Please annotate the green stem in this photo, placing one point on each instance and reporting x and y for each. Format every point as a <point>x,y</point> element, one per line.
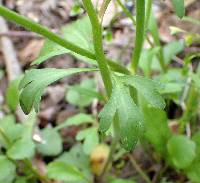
<point>126,11</point>
<point>113,145</point>
<point>155,34</point>
<point>139,170</point>
<point>98,45</point>
<point>105,73</point>
<point>43,31</point>
<point>140,29</point>
<point>148,14</point>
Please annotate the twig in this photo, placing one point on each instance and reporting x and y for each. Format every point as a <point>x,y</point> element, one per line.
<point>23,34</point>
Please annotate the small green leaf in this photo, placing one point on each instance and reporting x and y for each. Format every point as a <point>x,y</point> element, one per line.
<point>77,119</point>
<point>147,88</point>
<point>175,30</point>
<point>181,151</point>
<point>63,172</point>
<point>24,147</point>
<point>172,49</point>
<point>11,129</point>
<point>77,158</point>
<point>147,58</point>
<point>90,137</point>
<point>7,169</point>
<point>12,94</point>
<point>35,81</point>
<point>79,33</point>
<point>179,7</point>
<point>82,95</point>
<point>52,143</point>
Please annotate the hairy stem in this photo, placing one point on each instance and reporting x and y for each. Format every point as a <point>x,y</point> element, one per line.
<point>98,45</point>
<point>140,30</point>
<point>105,72</point>
<point>43,31</point>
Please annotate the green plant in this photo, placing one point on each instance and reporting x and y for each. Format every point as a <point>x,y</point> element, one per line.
<point>132,100</point>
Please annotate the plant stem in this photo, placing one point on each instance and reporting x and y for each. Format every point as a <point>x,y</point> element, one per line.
<point>148,14</point>
<point>45,32</point>
<point>105,72</point>
<point>126,11</point>
<point>155,34</point>
<point>98,45</point>
<point>140,30</point>
<point>113,145</point>
<point>34,171</point>
<point>138,169</point>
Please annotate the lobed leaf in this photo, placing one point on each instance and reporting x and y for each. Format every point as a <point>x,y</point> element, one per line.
<point>129,116</point>
<point>147,88</point>
<point>35,81</point>
<point>130,119</point>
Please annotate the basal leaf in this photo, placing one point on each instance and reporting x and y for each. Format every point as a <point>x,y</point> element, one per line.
<point>147,88</point>
<point>35,81</point>
<point>24,147</point>
<point>82,94</point>
<point>7,169</point>
<point>77,119</point>
<point>52,142</point>
<point>179,7</point>
<point>12,130</point>
<point>77,158</point>
<point>181,151</point>
<point>90,137</point>
<point>63,172</point>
